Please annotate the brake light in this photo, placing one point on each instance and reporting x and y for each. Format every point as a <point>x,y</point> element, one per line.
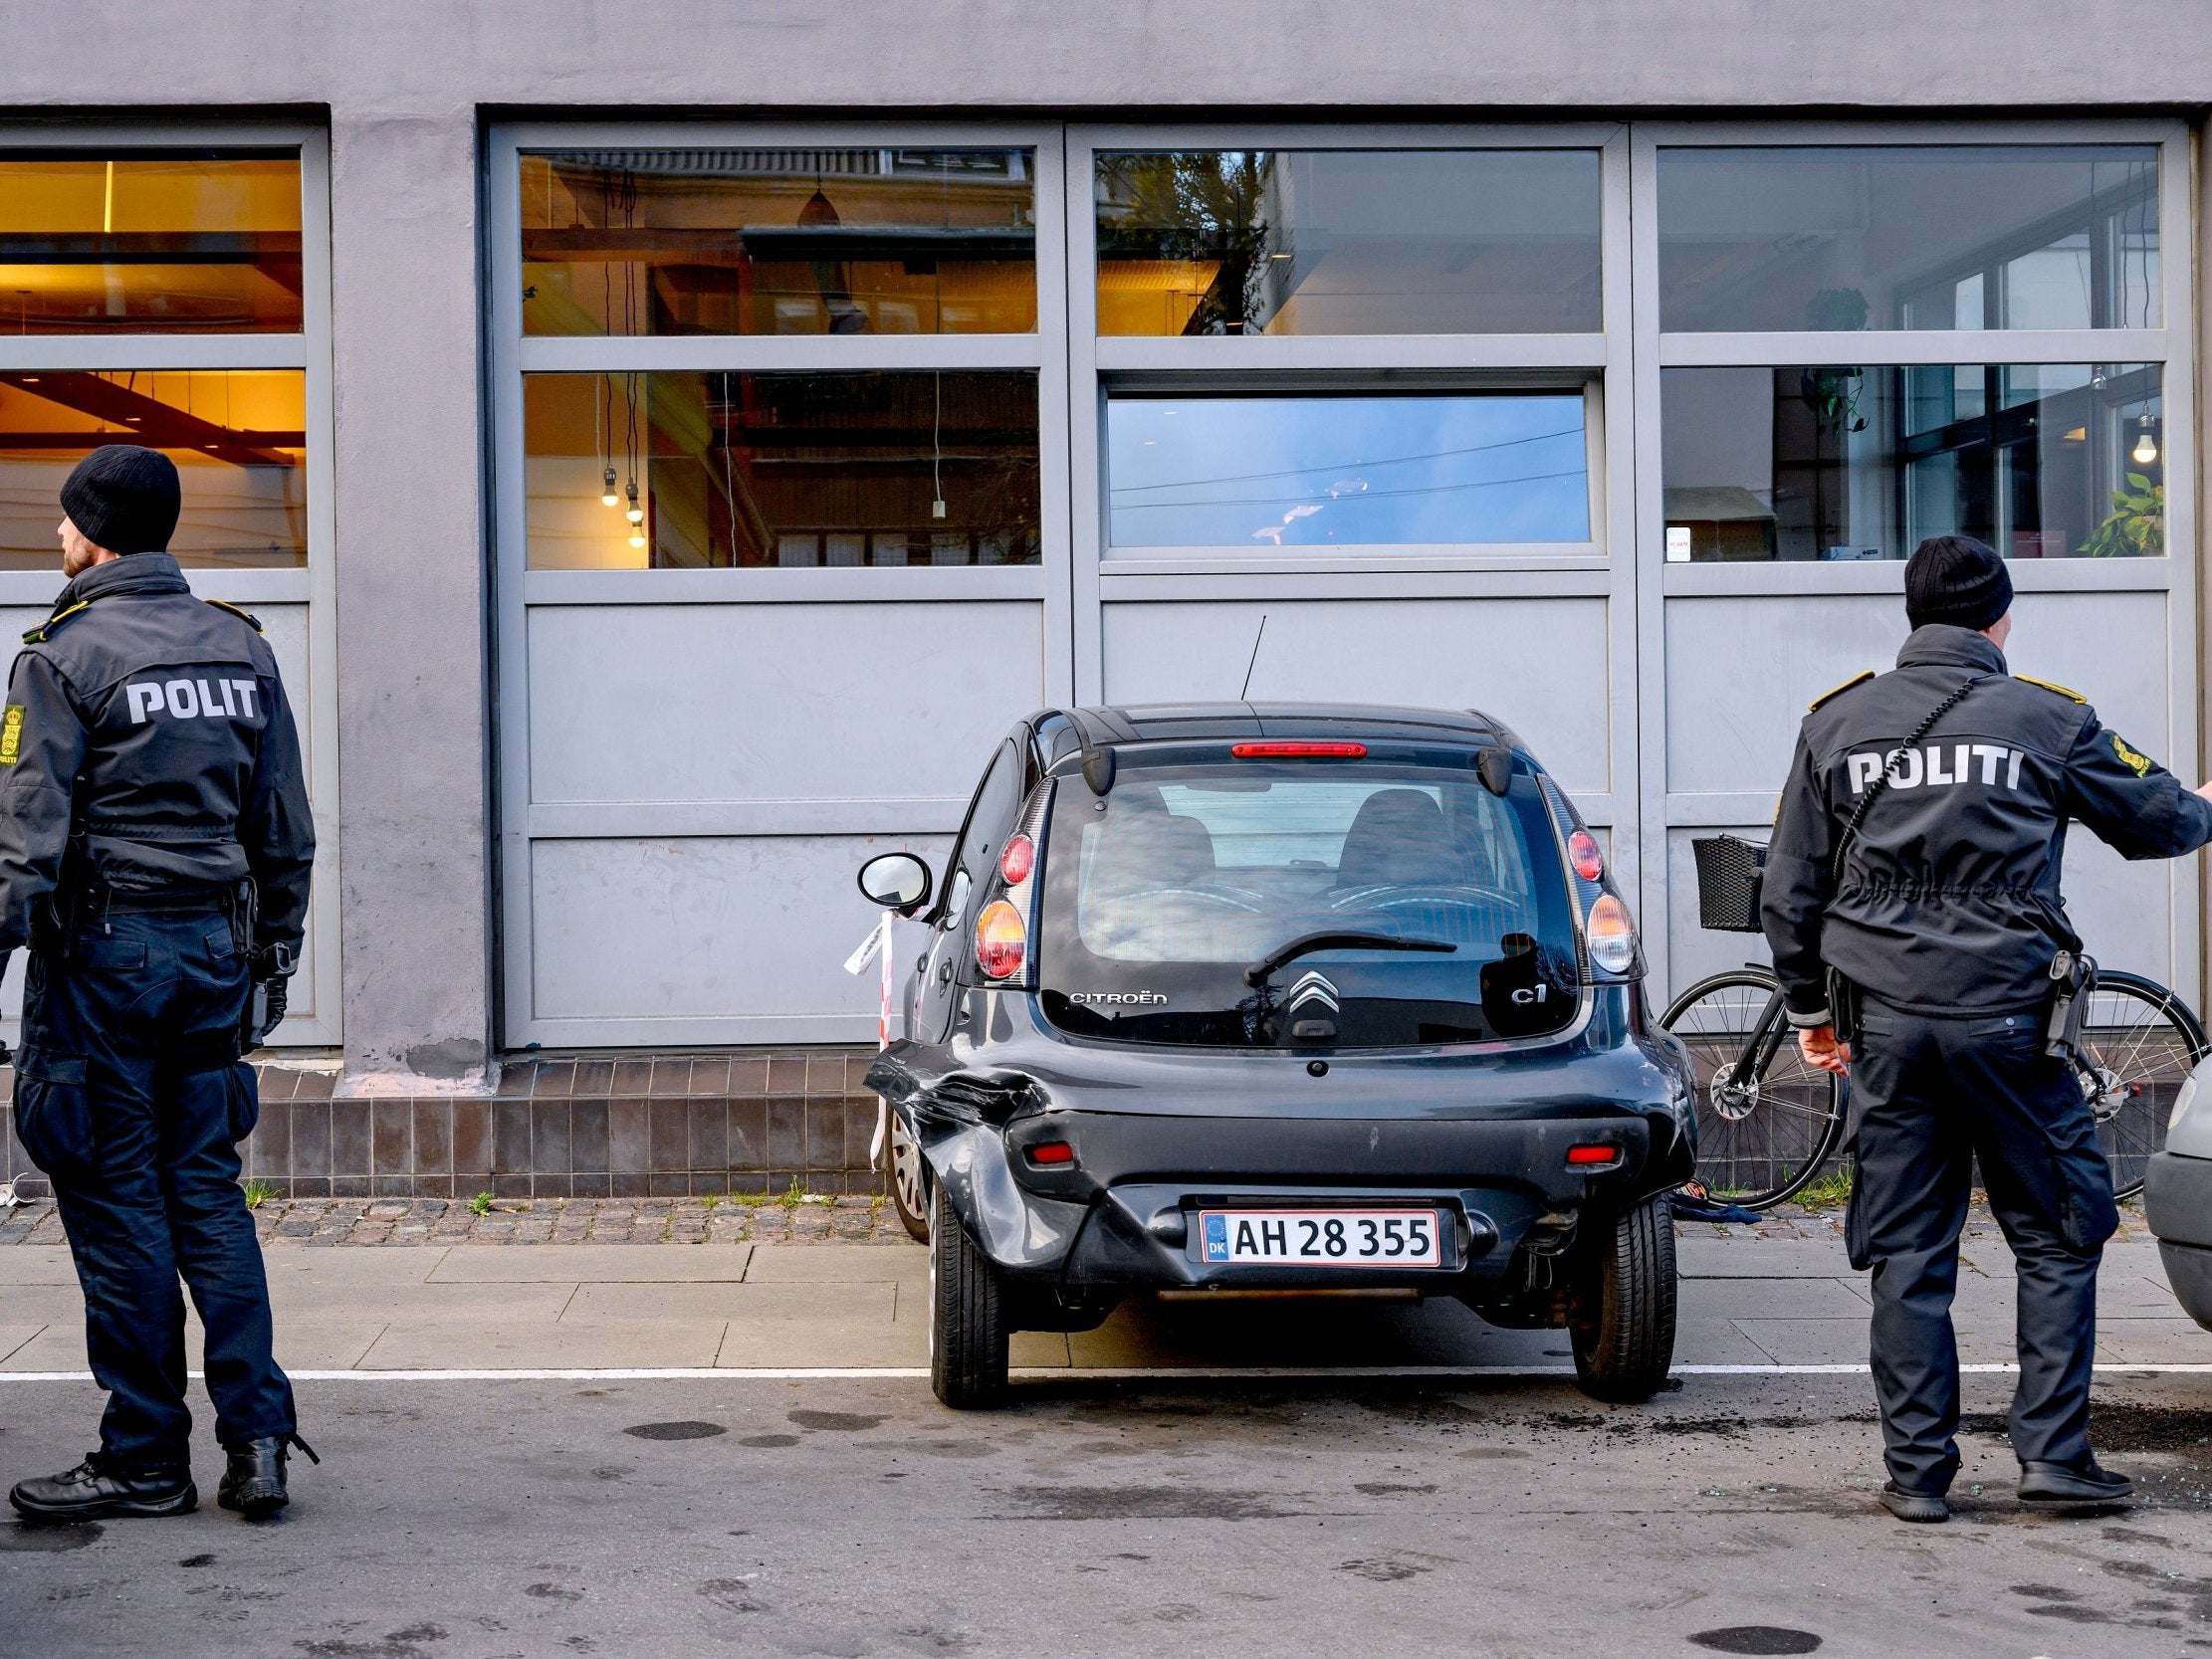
<point>1018,859</point>
<point>1611,934</point>
<point>1299,751</point>
<point>1052,1152</point>
<point>1583,854</point>
<point>1590,1158</point>
<point>1002,939</point>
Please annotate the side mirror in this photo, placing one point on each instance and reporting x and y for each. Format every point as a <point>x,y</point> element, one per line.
<point>897,881</point>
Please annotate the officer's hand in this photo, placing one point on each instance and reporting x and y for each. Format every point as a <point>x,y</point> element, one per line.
<point>280,997</point>
<point>2205,789</point>
<point>1819,1046</point>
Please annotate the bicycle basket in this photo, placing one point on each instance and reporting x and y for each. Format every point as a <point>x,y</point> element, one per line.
<point>1729,873</point>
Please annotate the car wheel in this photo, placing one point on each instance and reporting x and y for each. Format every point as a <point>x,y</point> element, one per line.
<point>968,1315</point>
<point>1623,1325</point>
<point>909,1193</point>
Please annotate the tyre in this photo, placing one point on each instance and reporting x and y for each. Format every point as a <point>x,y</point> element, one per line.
<point>968,1315</point>
<point>2139,1042</point>
<point>1622,1327</point>
<point>910,1197</point>
<point>1760,1139</point>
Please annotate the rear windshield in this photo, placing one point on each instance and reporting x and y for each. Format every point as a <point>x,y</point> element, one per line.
<point>1164,900</point>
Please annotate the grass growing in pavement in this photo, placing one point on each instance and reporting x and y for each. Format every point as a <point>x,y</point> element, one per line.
<point>259,1192</point>
<point>481,1204</point>
<point>1824,1190</point>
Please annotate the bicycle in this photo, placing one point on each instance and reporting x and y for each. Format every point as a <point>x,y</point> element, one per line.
<point>1768,1122</point>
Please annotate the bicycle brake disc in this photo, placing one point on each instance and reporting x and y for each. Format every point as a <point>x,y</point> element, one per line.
<point>1729,1102</point>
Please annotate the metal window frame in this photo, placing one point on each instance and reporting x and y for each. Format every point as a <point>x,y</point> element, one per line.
<point>1597,361</point>
<point>313,585</point>
<point>2171,346</point>
<point>517,589</point>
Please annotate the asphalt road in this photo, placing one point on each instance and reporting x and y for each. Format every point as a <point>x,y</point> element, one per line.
<point>466,1520</point>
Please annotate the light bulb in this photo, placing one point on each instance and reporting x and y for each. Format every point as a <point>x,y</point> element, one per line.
<point>636,541</point>
<point>2146,451</point>
<point>636,514</point>
<point>606,495</point>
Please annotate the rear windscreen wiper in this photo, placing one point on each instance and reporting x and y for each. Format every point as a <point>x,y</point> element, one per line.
<point>1333,940</point>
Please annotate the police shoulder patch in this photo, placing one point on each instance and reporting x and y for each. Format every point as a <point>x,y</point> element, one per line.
<point>39,634</point>
<point>2134,759</point>
<point>2067,692</point>
<point>252,621</point>
<point>11,734</point>
<point>1859,678</point>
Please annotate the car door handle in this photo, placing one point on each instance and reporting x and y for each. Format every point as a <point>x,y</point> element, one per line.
<point>945,971</point>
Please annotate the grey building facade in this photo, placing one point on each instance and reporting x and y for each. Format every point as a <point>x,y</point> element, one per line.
<point>669,443</point>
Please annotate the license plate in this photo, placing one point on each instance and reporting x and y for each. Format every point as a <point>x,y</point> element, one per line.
<point>1322,1238</point>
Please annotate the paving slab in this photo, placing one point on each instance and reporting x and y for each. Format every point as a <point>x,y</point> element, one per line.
<point>751,1344</point>
<point>1712,1342</point>
<point>57,1347</point>
<point>1753,1257</point>
<point>312,1345</point>
<point>1808,1342</point>
<point>13,1336</point>
<point>36,1264</point>
<point>421,1304</point>
<point>819,1263</point>
<point>1788,1298</point>
<point>601,1264</point>
<point>401,1265</point>
<point>528,1344</point>
<point>2173,1340</point>
<point>851,1303</point>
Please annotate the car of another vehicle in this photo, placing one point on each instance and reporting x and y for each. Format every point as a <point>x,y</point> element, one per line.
<point>2177,1197</point>
<point>1244,997</point>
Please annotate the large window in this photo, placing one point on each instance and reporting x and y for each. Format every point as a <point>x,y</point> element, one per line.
<point>1937,236</point>
<point>1348,242</point>
<point>1847,462</point>
<point>797,471</point>
<point>844,241</point>
<point>1346,470</point>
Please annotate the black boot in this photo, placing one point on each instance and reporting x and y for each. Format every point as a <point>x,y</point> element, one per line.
<point>254,1483</point>
<point>96,1490</point>
<point>2065,1485</point>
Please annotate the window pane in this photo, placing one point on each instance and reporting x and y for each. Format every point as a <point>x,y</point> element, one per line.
<point>798,470</point>
<point>238,437</point>
<point>780,242</point>
<point>149,242</point>
<point>1348,242</point>
<point>2051,460</point>
<point>1892,237</point>
<point>1346,471</point>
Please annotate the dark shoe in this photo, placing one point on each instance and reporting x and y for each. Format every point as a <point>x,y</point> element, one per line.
<point>96,1490</point>
<point>1918,1507</point>
<point>254,1483</point>
<point>2063,1484</point>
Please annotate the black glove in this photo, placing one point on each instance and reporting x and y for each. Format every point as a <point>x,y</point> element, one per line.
<point>280,994</point>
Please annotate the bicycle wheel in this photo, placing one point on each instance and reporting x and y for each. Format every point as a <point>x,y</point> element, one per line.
<point>2139,1042</point>
<point>1760,1139</point>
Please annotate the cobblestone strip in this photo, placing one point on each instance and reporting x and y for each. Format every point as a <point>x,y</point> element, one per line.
<point>287,1222</point>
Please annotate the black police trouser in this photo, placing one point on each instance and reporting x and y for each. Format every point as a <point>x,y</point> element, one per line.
<point>1928,1096</point>
<point>129,1096</point>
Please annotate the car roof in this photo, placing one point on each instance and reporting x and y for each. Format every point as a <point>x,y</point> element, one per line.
<point>1147,722</point>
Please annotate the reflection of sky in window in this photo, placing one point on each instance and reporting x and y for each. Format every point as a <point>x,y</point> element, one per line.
<point>1313,472</point>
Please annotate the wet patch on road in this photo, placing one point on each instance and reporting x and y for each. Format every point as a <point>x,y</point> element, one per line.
<point>731,1595</point>
<point>1757,1639</point>
<point>50,1541</point>
<point>675,1431</point>
<point>836,1422</point>
<point>397,1644</point>
<point>1145,1503</point>
<point>768,1442</point>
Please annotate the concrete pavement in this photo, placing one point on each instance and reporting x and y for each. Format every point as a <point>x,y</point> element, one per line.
<point>1746,1300</point>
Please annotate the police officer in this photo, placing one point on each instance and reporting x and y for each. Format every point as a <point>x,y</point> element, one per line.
<point>154,854</point>
<point>1914,876</point>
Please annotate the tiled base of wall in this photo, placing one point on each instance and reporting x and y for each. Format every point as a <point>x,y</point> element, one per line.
<point>636,1126</point>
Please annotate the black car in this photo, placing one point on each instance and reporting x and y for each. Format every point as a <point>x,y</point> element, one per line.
<point>1253,997</point>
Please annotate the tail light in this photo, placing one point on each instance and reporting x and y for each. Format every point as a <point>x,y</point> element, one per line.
<point>1018,857</point>
<point>1611,934</point>
<point>1002,940</point>
<point>1299,750</point>
<point>1583,854</point>
<point>1051,1152</point>
<point>1591,1157</point>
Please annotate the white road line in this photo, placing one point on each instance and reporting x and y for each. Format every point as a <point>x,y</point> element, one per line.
<point>1046,1374</point>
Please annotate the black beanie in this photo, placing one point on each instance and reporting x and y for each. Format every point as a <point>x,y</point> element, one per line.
<point>124,498</point>
<point>1958,580</point>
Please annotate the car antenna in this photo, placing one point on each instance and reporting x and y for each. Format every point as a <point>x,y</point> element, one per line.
<point>1245,690</point>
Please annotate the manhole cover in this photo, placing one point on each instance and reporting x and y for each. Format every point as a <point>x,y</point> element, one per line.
<point>1757,1638</point>
<point>706,1431</point>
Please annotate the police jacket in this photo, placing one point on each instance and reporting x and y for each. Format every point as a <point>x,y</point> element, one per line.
<point>1948,900</point>
<point>146,748</point>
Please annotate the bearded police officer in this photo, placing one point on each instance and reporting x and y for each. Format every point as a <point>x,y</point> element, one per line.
<point>1913,898</point>
<point>154,854</point>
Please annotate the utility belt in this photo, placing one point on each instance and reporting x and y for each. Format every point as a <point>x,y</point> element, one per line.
<point>2073,979</point>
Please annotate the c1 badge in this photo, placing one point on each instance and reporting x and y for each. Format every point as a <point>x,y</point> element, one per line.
<point>11,734</point>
